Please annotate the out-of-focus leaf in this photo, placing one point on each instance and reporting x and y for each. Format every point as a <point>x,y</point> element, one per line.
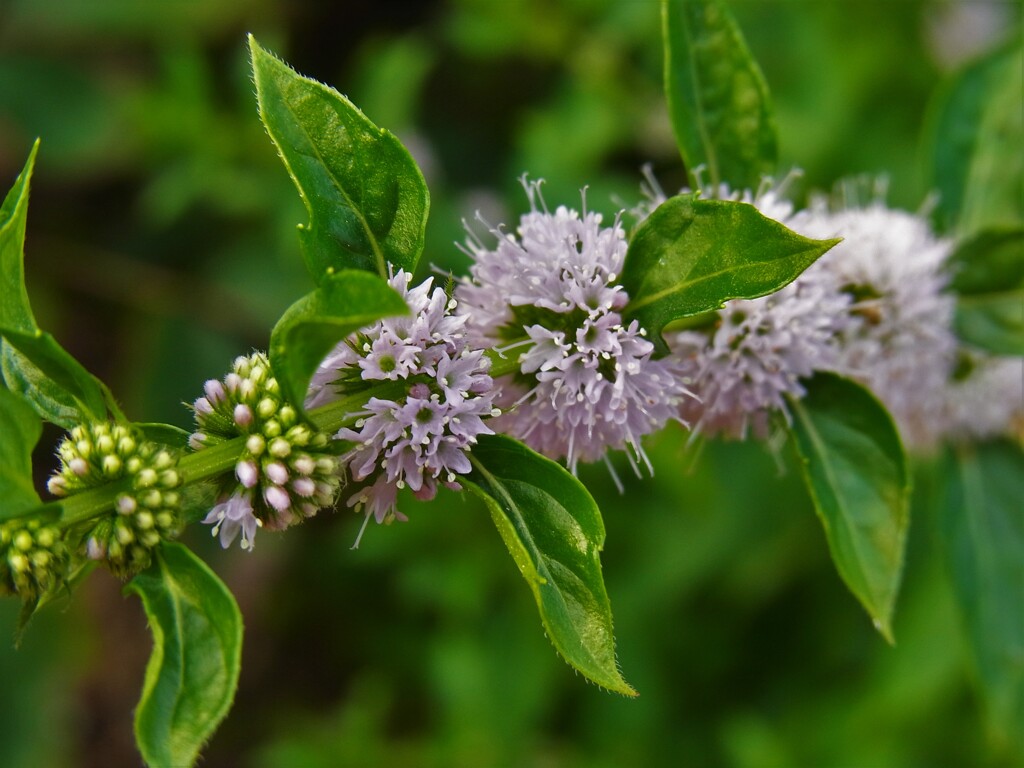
<point>193,670</point>
<point>981,530</point>
<point>856,471</point>
<point>345,302</point>
<point>976,134</point>
<point>988,277</point>
<point>366,197</point>
<point>691,256</point>
<point>554,532</point>
<point>717,97</point>
<point>20,429</point>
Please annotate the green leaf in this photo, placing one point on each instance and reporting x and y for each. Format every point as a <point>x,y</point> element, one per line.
<point>193,671</point>
<point>553,529</point>
<point>164,434</point>
<point>20,428</point>
<point>988,276</point>
<point>981,532</point>
<point>856,471</point>
<point>717,97</point>
<point>366,198</point>
<point>975,135</point>
<point>15,311</point>
<point>67,382</point>
<point>692,255</point>
<point>49,400</point>
<point>310,328</point>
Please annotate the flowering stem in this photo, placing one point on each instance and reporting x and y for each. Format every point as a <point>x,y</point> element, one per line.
<point>218,459</point>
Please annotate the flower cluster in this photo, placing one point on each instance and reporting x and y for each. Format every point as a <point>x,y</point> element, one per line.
<point>145,513</point>
<point>287,470</point>
<point>442,400</point>
<point>33,558</point>
<point>587,381</point>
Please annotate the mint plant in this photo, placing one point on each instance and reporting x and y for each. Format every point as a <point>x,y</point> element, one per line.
<point>846,330</point>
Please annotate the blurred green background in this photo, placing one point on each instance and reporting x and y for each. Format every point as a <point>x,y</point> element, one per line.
<point>161,243</point>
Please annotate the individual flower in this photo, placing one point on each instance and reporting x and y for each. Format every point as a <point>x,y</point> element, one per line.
<point>587,381</point>
<point>439,402</point>
<point>287,470</point>
<point>899,341</point>
<point>145,513</point>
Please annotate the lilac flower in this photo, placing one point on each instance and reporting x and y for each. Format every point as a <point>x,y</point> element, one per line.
<point>587,382</point>
<point>985,399</point>
<point>422,436</point>
<point>234,515</point>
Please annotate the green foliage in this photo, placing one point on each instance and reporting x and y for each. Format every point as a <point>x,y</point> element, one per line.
<point>988,278</point>
<point>691,256</point>
<point>717,97</point>
<point>366,198</point>
<point>856,472</point>
<point>981,533</point>
<point>976,133</point>
<point>15,311</point>
<point>554,532</point>
<point>193,670</point>
<point>344,302</point>
<point>21,429</point>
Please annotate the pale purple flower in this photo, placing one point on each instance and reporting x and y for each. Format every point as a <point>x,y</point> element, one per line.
<point>233,515</point>
<point>422,437</point>
<point>587,381</point>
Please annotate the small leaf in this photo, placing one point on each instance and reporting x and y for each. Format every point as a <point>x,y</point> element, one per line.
<point>69,384</point>
<point>20,429</point>
<point>975,135</point>
<point>988,276</point>
<point>981,532</point>
<point>193,671</point>
<point>49,400</point>
<point>366,198</point>
<point>554,532</point>
<point>692,255</point>
<point>164,434</point>
<point>717,97</point>
<point>15,311</point>
<point>856,471</point>
<point>312,326</point>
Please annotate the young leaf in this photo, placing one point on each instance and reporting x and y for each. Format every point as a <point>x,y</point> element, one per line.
<point>981,532</point>
<point>49,400</point>
<point>366,198</point>
<point>855,469</point>
<point>345,302</point>
<point>164,434</point>
<point>71,385</point>
<point>554,532</point>
<point>20,429</point>
<point>193,671</point>
<point>972,127</point>
<point>988,277</point>
<point>15,311</point>
<point>692,255</point>
<point>717,97</point>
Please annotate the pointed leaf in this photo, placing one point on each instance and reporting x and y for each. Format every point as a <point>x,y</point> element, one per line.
<point>20,429</point>
<point>988,276</point>
<point>856,471</point>
<point>366,198</point>
<point>717,97</point>
<point>553,529</point>
<point>164,434</point>
<point>15,311</point>
<point>193,671</point>
<point>981,532</point>
<point>312,326</point>
<point>692,255</point>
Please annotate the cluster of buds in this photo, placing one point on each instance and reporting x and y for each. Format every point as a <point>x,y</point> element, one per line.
<point>33,558</point>
<point>287,470</point>
<point>146,512</point>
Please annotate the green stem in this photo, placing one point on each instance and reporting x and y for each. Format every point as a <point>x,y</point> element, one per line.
<point>218,459</point>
